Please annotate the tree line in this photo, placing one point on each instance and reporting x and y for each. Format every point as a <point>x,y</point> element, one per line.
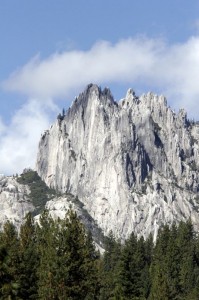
<point>57,259</point>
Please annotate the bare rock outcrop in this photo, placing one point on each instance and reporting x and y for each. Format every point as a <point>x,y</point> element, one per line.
<point>133,164</point>
<point>14,201</point>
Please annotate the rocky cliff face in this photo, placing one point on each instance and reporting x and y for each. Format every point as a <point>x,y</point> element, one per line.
<point>14,201</point>
<point>134,164</point>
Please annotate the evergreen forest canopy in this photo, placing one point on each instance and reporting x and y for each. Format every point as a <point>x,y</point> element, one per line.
<point>56,259</point>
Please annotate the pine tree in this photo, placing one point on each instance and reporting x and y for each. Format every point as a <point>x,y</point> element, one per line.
<point>46,243</point>
<point>10,261</point>
<point>68,268</point>
<point>5,277</point>
<point>127,269</point>
<point>92,267</point>
<point>159,276</point>
<point>29,259</point>
<point>142,259</point>
<point>77,257</point>
<point>186,255</point>
<point>109,268</point>
<point>133,275</point>
<point>172,264</point>
<point>195,290</point>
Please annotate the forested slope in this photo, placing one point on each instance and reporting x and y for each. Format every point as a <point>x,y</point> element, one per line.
<point>57,260</point>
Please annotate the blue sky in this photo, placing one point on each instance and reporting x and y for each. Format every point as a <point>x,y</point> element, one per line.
<point>50,50</point>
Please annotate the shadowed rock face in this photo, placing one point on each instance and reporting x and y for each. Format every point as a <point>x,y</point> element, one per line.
<point>134,164</point>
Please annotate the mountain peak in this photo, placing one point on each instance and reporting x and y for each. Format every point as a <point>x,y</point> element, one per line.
<point>134,165</point>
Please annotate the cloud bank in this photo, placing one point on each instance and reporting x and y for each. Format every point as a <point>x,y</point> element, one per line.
<point>172,69</point>
<point>19,140</point>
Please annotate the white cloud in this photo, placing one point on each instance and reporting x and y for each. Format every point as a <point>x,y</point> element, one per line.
<point>171,68</point>
<point>19,140</point>
<point>61,72</point>
<point>2,126</point>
